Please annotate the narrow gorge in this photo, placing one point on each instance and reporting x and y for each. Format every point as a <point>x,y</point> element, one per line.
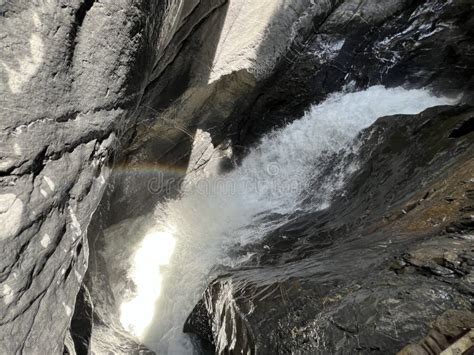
<point>237,177</point>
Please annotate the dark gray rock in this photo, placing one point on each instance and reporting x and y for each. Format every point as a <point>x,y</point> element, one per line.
<point>82,322</point>
<point>360,44</point>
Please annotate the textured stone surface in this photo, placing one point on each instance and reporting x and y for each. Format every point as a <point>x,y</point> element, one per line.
<point>71,75</point>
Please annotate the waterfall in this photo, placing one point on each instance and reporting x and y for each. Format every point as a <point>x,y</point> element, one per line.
<point>194,233</point>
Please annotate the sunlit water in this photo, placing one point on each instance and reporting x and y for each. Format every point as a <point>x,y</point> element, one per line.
<point>193,234</point>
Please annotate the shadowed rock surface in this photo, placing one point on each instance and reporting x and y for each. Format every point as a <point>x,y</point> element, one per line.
<point>360,44</point>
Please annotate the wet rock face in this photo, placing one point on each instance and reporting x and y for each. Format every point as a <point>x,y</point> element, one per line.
<point>373,271</point>
<point>362,43</point>
<point>219,52</point>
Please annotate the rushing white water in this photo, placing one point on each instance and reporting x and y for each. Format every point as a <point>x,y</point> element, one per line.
<point>223,211</point>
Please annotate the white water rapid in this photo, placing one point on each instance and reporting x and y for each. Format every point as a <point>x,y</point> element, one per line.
<point>194,233</point>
